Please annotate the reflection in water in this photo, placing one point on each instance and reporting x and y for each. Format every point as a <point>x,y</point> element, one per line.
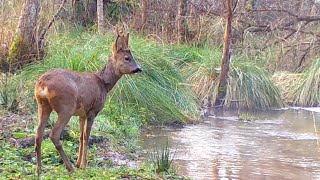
<point>279,145</point>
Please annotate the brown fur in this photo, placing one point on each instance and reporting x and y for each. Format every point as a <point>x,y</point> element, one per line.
<point>72,93</point>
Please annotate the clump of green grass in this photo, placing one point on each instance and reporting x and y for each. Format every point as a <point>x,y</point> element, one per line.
<point>162,159</point>
<point>200,72</point>
<point>306,90</point>
<point>246,117</point>
<point>250,87</point>
<point>9,92</point>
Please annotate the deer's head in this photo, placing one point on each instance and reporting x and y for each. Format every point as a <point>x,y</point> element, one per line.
<point>124,62</point>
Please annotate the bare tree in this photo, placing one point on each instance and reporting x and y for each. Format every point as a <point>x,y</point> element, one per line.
<point>100,17</point>
<point>27,44</point>
<point>225,63</point>
<point>23,44</point>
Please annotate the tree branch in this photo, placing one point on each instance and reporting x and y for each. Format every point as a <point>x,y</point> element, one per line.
<point>45,30</point>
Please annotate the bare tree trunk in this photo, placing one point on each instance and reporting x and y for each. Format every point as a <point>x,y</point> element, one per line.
<point>193,14</point>
<point>23,45</point>
<point>100,17</point>
<point>144,14</point>
<point>225,64</point>
<point>181,21</point>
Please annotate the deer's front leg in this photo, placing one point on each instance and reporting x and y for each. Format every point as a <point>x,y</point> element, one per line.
<point>85,143</point>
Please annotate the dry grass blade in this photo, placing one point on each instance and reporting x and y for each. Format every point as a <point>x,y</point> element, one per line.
<point>285,82</point>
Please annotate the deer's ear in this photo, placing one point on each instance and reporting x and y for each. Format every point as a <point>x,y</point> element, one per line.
<point>117,45</point>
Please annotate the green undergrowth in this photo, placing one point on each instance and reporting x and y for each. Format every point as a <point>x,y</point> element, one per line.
<point>19,163</point>
<point>118,133</point>
<point>174,79</point>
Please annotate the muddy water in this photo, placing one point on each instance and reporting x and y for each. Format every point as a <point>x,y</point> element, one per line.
<point>277,145</point>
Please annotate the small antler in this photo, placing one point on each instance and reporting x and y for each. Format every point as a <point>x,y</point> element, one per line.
<point>122,39</point>
<point>116,30</point>
<point>119,31</point>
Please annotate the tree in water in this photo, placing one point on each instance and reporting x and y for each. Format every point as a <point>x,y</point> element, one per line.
<point>225,63</point>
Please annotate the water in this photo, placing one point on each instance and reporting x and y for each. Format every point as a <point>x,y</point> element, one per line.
<point>278,145</point>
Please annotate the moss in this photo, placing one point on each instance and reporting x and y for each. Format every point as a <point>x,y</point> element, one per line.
<point>17,49</point>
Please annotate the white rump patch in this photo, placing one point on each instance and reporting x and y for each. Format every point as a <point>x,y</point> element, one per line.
<point>43,92</point>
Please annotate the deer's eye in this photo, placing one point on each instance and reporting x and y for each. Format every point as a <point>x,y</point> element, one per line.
<point>127,58</point>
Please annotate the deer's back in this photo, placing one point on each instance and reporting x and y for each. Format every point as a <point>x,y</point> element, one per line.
<point>70,89</point>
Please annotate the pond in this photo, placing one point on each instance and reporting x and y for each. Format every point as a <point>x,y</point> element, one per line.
<point>277,144</point>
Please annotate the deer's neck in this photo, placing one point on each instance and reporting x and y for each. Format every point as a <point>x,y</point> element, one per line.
<point>109,76</point>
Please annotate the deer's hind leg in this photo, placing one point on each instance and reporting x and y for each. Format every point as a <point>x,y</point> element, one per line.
<point>63,119</point>
<point>44,111</point>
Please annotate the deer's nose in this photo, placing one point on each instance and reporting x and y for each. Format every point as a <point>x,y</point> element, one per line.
<point>138,70</point>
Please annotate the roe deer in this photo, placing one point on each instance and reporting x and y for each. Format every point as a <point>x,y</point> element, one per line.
<point>71,93</point>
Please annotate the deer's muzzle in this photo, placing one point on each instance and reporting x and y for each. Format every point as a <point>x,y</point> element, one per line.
<point>138,70</point>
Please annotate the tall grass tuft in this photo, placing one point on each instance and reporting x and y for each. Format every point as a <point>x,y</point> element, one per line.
<point>200,71</point>
<point>306,90</point>
<point>9,92</point>
<point>162,158</point>
<point>286,81</point>
<point>159,89</point>
<point>249,86</point>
